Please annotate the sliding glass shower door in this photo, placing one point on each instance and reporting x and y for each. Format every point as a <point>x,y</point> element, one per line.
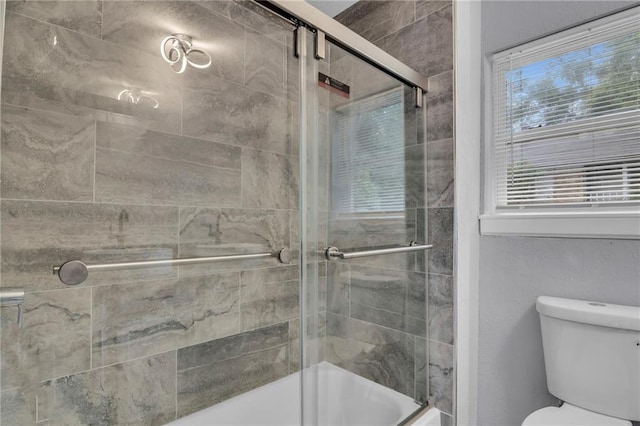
<point>364,283</point>
<point>136,133</point>
<point>198,204</point>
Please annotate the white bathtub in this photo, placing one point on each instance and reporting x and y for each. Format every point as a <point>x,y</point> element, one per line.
<point>344,399</point>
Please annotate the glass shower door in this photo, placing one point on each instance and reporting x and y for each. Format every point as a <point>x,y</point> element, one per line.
<point>145,131</point>
<point>364,177</point>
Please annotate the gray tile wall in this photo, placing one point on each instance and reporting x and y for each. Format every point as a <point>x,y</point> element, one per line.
<point>420,34</point>
<point>211,171</point>
<point>376,319</point>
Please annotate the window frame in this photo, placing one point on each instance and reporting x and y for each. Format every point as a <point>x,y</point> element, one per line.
<point>596,221</point>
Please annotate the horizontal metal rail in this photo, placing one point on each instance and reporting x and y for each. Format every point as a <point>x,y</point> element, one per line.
<point>347,38</point>
<point>76,272</point>
<point>333,253</point>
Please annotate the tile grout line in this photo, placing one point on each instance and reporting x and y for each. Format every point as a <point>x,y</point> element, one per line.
<point>164,133</point>
<point>176,349</point>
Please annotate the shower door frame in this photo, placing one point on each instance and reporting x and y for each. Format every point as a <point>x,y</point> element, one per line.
<point>301,12</point>
<point>311,20</point>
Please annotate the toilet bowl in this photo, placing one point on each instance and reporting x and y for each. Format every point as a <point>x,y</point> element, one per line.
<point>570,415</point>
<point>592,362</point>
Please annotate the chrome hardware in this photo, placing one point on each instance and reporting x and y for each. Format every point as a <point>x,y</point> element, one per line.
<point>419,93</point>
<point>297,48</point>
<point>320,45</point>
<point>304,13</point>
<point>333,253</point>
<point>13,296</point>
<point>75,272</point>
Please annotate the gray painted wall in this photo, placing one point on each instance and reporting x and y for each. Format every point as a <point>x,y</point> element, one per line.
<point>515,270</point>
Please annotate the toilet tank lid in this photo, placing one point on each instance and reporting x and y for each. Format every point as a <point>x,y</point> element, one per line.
<point>588,312</point>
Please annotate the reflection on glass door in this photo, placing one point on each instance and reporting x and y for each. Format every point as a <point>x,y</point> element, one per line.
<point>366,333</point>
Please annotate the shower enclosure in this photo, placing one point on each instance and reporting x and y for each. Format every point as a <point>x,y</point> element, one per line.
<point>201,198</point>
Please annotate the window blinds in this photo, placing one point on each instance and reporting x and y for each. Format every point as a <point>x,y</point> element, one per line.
<point>566,119</point>
<point>368,155</point>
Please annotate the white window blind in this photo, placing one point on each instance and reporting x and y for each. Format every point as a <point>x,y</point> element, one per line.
<point>368,155</point>
<point>566,119</point>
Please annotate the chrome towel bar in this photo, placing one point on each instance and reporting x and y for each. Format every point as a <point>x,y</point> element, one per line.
<point>75,272</point>
<point>333,253</point>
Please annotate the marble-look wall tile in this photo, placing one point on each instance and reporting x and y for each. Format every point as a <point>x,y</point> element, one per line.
<point>82,16</point>
<point>46,156</point>
<point>144,24</point>
<point>440,173</point>
<point>415,176</point>
<point>140,392</point>
<point>294,345</point>
<point>376,353</point>
<point>376,19</point>
<point>17,406</point>
<point>264,67</point>
<point>53,340</point>
<point>215,371</point>
<point>338,288</point>
<point>391,298</point>
<point>136,140</point>
<point>221,111</point>
<point>37,235</point>
<point>426,45</point>
<point>314,341</point>
<point>422,372</point>
<point>247,13</point>
<point>440,229</point>
<point>441,376</point>
<point>138,166</point>
<point>269,181</point>
<point>441,308</point>
<point>348,233</point>
<point>440,107</point>
<point>140,319</point>
<point>51,68</point>
<point>268,296</point>
<point>212,232</point>
<point>425,7</point>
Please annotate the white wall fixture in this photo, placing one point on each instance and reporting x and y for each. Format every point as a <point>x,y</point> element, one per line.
<point>178,51</point>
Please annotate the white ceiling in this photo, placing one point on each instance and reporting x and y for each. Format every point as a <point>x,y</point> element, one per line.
<point>331,7</point>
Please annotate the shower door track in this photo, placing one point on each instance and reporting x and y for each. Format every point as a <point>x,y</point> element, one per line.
<point>302,13</point>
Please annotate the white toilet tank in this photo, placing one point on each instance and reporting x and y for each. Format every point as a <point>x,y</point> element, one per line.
<point>592,354</point>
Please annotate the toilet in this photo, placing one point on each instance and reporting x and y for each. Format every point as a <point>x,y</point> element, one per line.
<point>592,360</point>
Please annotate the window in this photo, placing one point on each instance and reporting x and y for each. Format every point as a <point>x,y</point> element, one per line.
<point>566,133</point>
<point>368,156</point>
